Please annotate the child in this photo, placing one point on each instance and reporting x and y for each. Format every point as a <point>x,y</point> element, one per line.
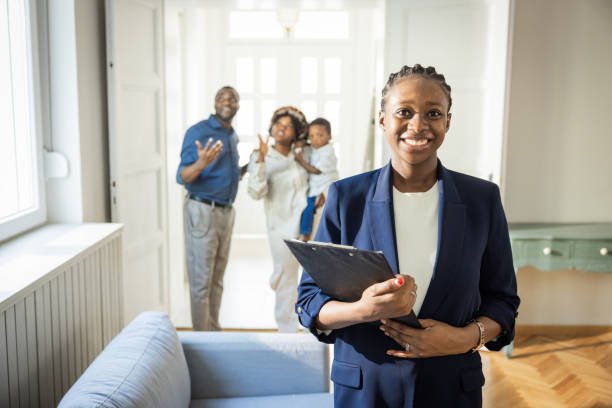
<point>321,167</point>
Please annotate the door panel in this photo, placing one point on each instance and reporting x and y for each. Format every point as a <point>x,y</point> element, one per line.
<point>137,148</point>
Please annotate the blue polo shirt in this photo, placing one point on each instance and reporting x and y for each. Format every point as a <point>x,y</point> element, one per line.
<point>219,180</point>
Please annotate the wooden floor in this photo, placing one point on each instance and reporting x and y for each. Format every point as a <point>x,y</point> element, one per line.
<point>551,371</point>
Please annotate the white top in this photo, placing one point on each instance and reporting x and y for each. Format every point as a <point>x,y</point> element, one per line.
<point>416,231</point>
<point>324,159</point>
<point>283,184</point>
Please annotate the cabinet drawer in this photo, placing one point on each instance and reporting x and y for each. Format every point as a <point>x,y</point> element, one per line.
<point>546,254</point>
<point>600,251</point>
<point>543,249</point>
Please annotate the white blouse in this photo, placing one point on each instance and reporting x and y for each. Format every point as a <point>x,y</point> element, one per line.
<point>283,184</point>
<point>416,232</point>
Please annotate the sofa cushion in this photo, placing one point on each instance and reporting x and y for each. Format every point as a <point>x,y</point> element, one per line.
<point>318,400</point>
<point>228,365</point>
<point>143,366</point>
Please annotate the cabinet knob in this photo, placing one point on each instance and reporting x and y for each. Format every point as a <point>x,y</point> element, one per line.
<point>603,251</point>
<point>547,251</point>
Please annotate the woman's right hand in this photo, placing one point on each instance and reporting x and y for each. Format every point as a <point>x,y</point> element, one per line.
<point>392,298</point>
<point>263,148</point>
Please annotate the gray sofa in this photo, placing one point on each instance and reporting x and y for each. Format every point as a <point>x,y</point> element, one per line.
<point>149,365</point>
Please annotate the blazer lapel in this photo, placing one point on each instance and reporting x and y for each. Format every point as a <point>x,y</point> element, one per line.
<point>380,218</point>
<point>451,230</point>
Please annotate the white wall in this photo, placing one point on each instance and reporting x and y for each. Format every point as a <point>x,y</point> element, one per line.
<point>466,40</point>
<point>558,146</point>
<point>558,155</point>
<point>567,297</point>
<point>64,111</point>
<point>93,125</point>
<point>77,95</point>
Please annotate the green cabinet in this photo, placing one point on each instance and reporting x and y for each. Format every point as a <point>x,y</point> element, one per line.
<point>552,247</point>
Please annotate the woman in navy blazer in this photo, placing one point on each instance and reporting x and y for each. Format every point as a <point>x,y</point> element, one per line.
<point>471,298</point>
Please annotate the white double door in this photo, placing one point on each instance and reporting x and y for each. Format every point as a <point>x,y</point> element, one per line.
<point>315,78</point>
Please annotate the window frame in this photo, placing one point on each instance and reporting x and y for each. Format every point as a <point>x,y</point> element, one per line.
<point>28,219</point>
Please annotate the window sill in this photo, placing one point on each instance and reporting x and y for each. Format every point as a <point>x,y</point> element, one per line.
<point>36,256</point>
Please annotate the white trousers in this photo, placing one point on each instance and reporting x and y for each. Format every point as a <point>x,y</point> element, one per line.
<point>284,281</point>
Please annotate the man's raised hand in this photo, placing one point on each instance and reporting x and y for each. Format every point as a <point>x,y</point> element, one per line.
<point>208,153</point>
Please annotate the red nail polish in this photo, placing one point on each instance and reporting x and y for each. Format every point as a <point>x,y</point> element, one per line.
<point>399,281</point>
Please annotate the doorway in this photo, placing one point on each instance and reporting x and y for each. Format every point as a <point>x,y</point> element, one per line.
<point>325,65</point>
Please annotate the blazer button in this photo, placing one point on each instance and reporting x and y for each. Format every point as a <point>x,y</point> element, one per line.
<point>299,309</point>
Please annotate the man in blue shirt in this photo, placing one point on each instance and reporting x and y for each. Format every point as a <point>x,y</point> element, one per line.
<point>210,172</point>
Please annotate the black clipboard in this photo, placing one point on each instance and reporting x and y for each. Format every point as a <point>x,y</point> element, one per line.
<point>344,272</point>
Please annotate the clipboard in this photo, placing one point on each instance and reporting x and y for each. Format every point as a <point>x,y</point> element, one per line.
<point>344,272</point>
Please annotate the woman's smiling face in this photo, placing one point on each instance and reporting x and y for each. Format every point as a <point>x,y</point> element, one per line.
<point>415,120</point>
<point>283,131</point>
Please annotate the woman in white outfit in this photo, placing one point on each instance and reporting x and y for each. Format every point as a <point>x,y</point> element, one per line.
<point>276,176</point>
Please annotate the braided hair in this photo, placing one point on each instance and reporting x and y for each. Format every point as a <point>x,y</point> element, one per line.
<point>416,70</point>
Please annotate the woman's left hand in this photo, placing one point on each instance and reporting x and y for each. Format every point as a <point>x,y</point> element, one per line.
<point>435,339</point>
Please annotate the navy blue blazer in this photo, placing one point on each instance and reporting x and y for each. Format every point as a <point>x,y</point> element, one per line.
<point>473,276</point>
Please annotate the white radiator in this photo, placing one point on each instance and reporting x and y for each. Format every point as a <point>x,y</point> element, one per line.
<point>60,304</point>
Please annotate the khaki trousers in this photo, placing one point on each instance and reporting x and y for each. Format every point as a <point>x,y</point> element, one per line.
<point>208,233</point>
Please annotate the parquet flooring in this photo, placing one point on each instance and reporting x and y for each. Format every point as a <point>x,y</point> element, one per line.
<point>551,371</point>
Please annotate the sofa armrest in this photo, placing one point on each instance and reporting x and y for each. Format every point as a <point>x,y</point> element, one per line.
<point>143,366</point>
<point>223,365</point>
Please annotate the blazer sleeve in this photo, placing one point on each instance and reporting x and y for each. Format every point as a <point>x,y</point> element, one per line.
<point>310,297</point>
<point>499,299</point>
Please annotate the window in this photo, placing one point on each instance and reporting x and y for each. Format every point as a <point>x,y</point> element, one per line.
<point>255,25</point>
<point>22,203</point>
<point>309,25</point>
<point>323,25</point>
<point>306,68</point>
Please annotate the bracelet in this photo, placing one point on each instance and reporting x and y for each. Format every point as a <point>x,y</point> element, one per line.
<point>481,330</point>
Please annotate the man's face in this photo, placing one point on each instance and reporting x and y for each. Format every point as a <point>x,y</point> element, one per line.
<point>226,104</point>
